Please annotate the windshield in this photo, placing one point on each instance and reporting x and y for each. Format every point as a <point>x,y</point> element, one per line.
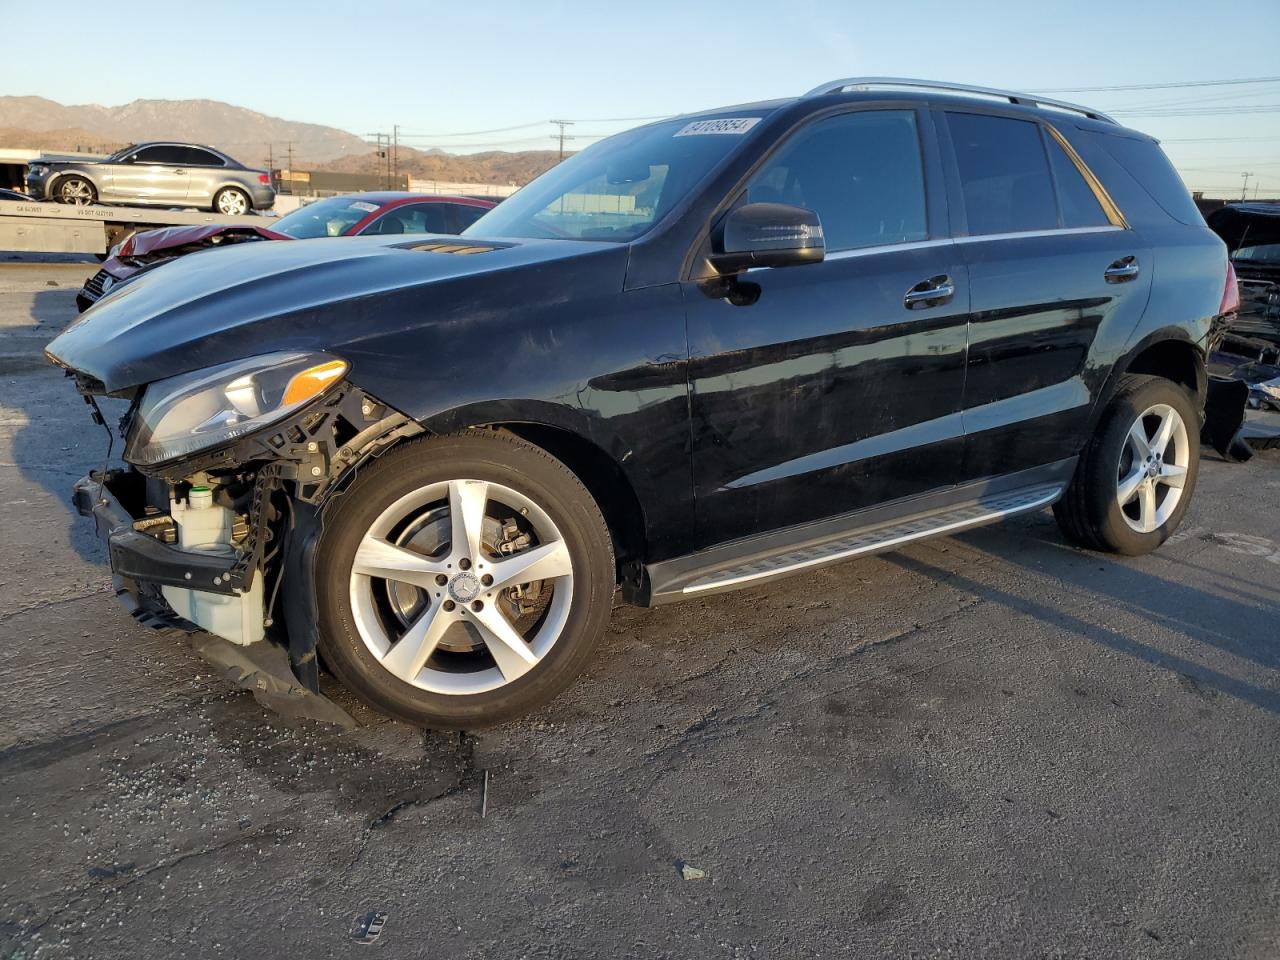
<point>619,188</point>
<point>324,218</point>
<point>1263,253</point>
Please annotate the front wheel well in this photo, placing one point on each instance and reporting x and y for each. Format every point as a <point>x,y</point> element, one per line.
<point>602,477</point>
<point>1175,360</point>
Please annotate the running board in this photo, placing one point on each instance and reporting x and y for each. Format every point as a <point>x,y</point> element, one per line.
<point>781,553</point>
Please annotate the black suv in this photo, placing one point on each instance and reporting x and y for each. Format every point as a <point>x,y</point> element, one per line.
<point>699,355</point>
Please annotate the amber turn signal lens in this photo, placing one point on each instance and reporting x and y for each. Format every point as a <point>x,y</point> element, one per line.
<point>313,381</point>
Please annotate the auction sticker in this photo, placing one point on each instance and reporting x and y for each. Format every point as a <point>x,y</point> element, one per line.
<point>734,126</point>
<point>365,205</point>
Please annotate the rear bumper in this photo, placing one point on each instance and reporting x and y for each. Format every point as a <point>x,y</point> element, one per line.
<point>139,562</point>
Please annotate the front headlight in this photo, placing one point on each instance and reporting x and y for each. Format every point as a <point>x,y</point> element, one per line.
<point>38,169</point>
<point>207,408</point>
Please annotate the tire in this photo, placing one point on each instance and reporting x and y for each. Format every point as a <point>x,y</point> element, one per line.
<point>398,518</point>
<point>76,191</point>
<point>232,202</point>
<point>1119,501</point>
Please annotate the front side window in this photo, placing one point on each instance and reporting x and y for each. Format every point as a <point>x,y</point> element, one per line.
<point>168,156</point>
<point>1004,174</point>
<point>619,188</point>
<point>412,218</point>
<point>861,173</point>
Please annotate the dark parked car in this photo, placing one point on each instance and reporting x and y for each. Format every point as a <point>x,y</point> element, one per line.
<point>155,174</point>
<point>384,213</point>
<point>699,355</point>
<point>1251,232</point>
<point>14,195</point>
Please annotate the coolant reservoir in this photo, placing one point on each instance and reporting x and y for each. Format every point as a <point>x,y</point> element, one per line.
<point>205,527</point>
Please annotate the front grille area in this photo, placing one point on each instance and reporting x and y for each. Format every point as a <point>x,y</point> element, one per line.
<point>93,286</point>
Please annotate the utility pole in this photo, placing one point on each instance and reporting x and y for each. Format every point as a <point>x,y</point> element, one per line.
<point>395,153</point>
<point>561,135</point>
<point>384,154</point>
<point>1244,194</point>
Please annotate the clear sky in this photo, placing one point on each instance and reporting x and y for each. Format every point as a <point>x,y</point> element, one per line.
<point>447,67</point>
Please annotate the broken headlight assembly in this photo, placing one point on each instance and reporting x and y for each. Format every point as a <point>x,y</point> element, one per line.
<point>197,411</point>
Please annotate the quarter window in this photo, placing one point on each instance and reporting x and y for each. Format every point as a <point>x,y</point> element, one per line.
<point>1004,174</point>
<point>860,172</point>
<point>195,157</point>
<point>1080,207</point>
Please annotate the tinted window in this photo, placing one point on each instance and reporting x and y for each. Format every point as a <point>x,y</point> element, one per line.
<point>166,155</point>
<point>1147,164</point>
<point>465,215</point>
<point>861,173</point>
<point>1004,174</point>
<point>195,157</point>
<point>1080,208</point>
<point>413,218</point>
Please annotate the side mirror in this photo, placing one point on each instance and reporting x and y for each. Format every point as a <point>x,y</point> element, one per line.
<point>766,235</point>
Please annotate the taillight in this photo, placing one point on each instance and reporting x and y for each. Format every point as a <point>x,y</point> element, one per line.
<point>1231,295</point>
<point>264,178</point>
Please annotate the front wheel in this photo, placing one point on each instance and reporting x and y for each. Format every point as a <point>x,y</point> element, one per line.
<point>1135,478</point>
<point>76,191</point>
<point>463,580</point>
<point>232,202</point>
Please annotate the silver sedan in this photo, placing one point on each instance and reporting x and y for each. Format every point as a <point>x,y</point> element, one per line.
<point>155,174</point>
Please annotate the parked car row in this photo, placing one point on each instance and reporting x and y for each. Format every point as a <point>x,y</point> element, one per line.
<point>694,357</point>
<point>155,174</point>
<point>382,214</point>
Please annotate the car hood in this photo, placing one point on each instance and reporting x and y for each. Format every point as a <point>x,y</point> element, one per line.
<point>254,298</point>
<point>167,238</point>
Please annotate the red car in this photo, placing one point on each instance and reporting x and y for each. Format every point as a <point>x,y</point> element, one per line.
<point>350,216</point>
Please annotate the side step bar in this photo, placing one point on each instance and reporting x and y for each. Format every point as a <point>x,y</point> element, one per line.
<point>781,553</point>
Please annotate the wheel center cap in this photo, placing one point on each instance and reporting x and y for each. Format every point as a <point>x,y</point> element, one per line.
<point>465,587</point>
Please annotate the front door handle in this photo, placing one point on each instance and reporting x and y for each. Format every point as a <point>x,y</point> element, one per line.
<point>1124,269</point>
<point>930,293</point>
<point>180,172</point>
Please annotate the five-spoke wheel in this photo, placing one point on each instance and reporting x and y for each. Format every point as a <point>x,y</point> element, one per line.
<point>232,202</point>
<point>75,190</point>
<point>1135,476</point>
<point>462,580</point>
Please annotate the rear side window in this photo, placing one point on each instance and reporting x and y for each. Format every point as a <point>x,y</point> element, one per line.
<point>1080,207</point>
<point>1147,164</point>
<point>860,172</point>
<point>1004,174</point>
<point>195,157</point>
<point>465,215</point>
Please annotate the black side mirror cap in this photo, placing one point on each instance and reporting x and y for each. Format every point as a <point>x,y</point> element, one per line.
<point>766,235</point>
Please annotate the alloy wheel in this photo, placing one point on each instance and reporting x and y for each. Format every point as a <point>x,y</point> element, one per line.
<point>461,587</point>
<point>1153,468</point>
<point>75,191</point>
<point>232,203</point>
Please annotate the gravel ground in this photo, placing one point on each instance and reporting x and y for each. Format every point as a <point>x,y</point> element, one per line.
<point>991,746</point>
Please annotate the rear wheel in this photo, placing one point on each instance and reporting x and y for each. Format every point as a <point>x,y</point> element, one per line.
<point>232,202</point>
<point>1135,478</point>
<point>75,190</point>
<point>463,580</point>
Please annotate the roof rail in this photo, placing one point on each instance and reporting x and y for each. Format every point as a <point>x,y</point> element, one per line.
<point>866,83</point>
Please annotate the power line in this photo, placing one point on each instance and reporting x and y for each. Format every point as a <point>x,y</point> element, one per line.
<point>1163,86</point>
<point>561,135</point>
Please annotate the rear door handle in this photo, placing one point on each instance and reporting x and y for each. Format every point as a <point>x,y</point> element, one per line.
<point>930,293</point>
<point>1126,268</point>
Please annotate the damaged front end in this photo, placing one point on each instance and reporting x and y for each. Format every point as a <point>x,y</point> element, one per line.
<point>214,522</point>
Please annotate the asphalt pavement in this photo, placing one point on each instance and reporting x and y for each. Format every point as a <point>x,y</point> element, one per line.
<point>993,745</point>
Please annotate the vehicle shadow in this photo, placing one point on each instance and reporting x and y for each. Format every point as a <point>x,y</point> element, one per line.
<point>56,441</point>
<point>1242,628</point>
